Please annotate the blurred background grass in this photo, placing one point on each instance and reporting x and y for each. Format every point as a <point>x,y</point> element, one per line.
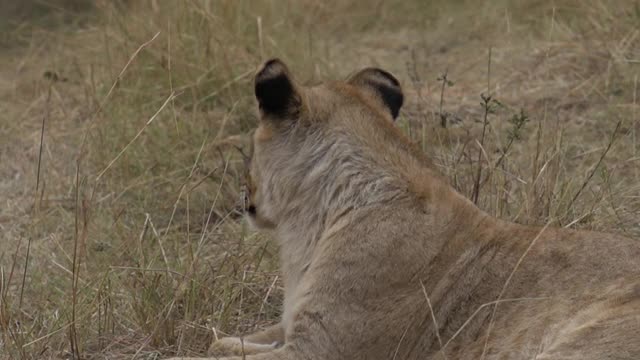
<point>121,236</point>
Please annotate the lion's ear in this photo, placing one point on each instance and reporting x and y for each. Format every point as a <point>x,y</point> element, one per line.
<point>383,86</point>
<point>276,91</point>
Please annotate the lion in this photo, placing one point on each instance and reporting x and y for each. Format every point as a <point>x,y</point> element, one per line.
<point>382,259</point>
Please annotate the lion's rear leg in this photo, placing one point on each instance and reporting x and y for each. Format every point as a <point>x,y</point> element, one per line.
<point>238,346</point>
<point>283,353</point>
<point>263,341</point>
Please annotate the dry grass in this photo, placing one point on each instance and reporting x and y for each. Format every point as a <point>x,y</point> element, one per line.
<point>120,235</point>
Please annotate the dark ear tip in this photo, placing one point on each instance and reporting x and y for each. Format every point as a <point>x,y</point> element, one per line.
<point>387,75</point>
<point>274,88</point>
<point>373,73</point>
<point>382,83</point>
<point>273,61</point>
<point>271,68</point>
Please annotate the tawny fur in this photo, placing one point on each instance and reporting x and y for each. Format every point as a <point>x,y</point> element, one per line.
<point>376,249</point>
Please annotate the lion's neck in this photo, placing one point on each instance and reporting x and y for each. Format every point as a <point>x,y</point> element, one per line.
<point>331,183</point>
<point>309,218</point>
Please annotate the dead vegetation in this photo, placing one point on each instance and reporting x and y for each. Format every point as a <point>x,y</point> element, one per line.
<point>120,234</point>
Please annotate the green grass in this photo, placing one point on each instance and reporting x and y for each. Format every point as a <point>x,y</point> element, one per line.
<point>136,245</point>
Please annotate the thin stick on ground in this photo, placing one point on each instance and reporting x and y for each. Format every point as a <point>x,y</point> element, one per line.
<point>445,82</point>
<point>173,105</point>
<point>636,122</point>
<point>73,331</point>
<point>35,198</point>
